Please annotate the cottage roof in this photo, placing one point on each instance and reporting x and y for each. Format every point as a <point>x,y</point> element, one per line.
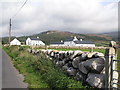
<point>34,38</point>
<point>15,39</point>
<point>84,42</point>
<point>69,39</point>
<point>72,39</point>
<point>56,42</point>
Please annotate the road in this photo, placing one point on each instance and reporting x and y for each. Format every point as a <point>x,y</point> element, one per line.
<point>10,76</point>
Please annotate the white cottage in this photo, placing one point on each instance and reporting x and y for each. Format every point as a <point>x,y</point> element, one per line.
<point>34,42</point>
<point>70,41</point>
<point>84,43</point>
<point>15,42</point>
<point>75,42</point>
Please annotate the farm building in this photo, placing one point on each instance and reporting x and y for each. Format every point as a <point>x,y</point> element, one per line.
<point>34,42</point>
<point>73,41</point>
<point>15,42</point>
<point>57,44</point>
<point>84,43</point>
<point>70,41</point>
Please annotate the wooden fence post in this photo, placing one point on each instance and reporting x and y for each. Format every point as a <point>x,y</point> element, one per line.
<point>91,49</point>
<point>110,52</point>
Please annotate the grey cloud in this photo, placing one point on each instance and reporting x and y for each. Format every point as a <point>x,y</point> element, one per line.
<point>80,16</point>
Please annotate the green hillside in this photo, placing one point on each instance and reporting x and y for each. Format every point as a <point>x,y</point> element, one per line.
<point>56,36</point>
<point>114,35</point>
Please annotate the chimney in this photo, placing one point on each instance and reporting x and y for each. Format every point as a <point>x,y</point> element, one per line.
<point>61,40</point>
<point>81,40</point>
<point>75,38</point>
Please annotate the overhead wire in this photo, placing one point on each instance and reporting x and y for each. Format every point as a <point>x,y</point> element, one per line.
<point>19,9</point>
<point>10,24</point>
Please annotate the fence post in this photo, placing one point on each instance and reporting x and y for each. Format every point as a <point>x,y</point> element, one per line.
<point>109,53</point>
<point>91,49</point>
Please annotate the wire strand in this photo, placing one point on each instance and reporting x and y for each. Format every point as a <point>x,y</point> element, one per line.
<point>19,9</point>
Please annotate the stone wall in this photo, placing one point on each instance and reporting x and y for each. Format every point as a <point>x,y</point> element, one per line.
<point>83,66</point>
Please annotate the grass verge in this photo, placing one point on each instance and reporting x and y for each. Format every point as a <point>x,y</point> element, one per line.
<point>39,71</point>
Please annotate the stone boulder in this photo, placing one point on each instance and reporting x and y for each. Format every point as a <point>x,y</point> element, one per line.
<point>80,76</point>
<point>70,53</point>
<point>82,68</point>
<point>44,51</point>
<point>60,63</point>
<point>33,52</point>
<point>56,56</point>
<point>95,65</point>
<point>84,56</point>
<point>52,54</point>
<point>29,50</point>
<point>71,71</point>
<point>65,67</point>
<point>61,55</point>
<point>91,54</point>
<point>70,64</point>
<point>49,51</point>
<point>98,55</point>
<point>66,59</point>
<point>76,53</point>
<point>76,61</point>
<point>66,54</point>
<point>96,80</point>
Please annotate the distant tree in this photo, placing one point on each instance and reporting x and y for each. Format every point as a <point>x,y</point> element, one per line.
<point>3,42</point>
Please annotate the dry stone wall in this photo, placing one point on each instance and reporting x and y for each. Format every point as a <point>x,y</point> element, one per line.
<point>83,66</point>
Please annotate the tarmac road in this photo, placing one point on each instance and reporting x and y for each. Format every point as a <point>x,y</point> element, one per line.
<point>10,76</point>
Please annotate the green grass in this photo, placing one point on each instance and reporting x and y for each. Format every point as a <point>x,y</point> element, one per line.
<point>39,71</point>
<point>21,61</point>
<point>118,55</point>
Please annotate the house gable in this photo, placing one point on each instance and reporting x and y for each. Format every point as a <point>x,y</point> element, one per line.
<point>34,41</point>
<point>15,42</point>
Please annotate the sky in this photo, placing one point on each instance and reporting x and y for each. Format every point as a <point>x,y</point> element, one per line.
<point>78,16</point>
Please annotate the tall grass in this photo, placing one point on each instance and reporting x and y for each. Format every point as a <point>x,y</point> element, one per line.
<point>40,71</point>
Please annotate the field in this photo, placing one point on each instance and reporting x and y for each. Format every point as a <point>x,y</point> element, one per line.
<point>118,55</point>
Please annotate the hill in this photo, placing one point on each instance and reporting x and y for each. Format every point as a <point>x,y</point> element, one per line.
<point>114,35</point>
<point>56,36</point>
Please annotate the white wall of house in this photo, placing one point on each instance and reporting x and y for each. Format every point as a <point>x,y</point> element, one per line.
<point>28,41</point>
<point>85,45</point>
<point>15,42</point>
<point>69,43</point>
<point>57,45</point>
<point>72,43</point>
<point>34,42</point>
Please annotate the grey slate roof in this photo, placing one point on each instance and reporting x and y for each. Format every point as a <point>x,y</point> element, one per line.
<point>56,42</point>
<point>34,38</point>
<point>70,39</point>
<point>84,42</point>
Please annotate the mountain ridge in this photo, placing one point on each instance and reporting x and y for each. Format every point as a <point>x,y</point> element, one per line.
<point>56,36</point>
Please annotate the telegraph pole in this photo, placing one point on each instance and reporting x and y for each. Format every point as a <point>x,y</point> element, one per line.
<point>10,31</point>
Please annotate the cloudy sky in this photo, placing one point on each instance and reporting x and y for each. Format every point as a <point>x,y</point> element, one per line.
<point>79,16</point>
